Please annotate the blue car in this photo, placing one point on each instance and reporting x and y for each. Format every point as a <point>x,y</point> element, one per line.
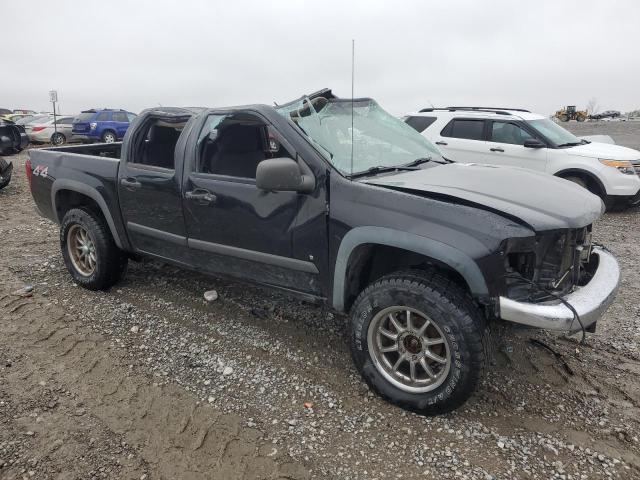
<point>106,125</point>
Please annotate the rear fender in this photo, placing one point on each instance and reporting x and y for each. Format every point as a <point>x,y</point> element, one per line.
<point>74,186</point>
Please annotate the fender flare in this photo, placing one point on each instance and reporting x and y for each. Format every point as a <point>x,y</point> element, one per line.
<point>74,186</point>
<point>579,171</point>
<point>454,258</point>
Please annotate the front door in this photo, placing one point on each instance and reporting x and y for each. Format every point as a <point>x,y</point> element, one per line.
<point>233,227</point>
<point>506,147</point>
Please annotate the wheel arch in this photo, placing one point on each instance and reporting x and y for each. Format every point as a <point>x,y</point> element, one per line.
<point>354,254</point>
<point>578,172</point>
<point>66,194</point>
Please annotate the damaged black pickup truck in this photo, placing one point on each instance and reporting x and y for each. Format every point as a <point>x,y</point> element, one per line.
<point>358,211</point>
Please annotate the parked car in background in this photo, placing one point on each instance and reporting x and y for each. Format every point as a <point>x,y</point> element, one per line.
<point>24,111</point>
<point>5,111</point>
<point>38,119</point>
<point>519,138</point>
<point>605,114</point>
<point>56,133</point>
<point>12,137</point>
<point>106,125</point>
<point>14,117</point>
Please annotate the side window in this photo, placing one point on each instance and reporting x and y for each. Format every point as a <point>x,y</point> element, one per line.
<point>420,123</point>
<point>103,117</point>
<point>120,117</point>
<point>64,121</point>
<point>233,146</point>
<point>504,132</point>
<point>156,145</point>
<point>468,129</point>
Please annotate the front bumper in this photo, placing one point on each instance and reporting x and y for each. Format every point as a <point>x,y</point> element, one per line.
<point>589,301</point>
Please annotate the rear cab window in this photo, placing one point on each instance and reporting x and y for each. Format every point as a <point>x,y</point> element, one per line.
<point>469,129</point>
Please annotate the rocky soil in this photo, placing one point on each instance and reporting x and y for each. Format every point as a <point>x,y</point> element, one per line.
<point>148,380</point>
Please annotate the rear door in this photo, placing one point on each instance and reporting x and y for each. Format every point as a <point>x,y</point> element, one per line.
<point>505,146</point>
<point>121,123</point>
<point>463,140</point>
<point>150,194</point>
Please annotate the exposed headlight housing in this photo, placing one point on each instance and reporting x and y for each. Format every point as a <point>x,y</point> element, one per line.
<point>94,125</point>
<point>624,166</point>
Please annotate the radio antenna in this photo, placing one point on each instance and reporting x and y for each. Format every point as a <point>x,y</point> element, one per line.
<point>353,56</point>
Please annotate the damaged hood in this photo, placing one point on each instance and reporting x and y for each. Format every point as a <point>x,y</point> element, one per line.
<point>537,199</point>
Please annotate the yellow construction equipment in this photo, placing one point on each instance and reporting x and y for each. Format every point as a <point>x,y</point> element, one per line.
<point>570,113</point>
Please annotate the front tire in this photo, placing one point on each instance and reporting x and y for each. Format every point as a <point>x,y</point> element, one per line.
<point>417,339</point>
<point>109,137</point>
<point>89,252</point>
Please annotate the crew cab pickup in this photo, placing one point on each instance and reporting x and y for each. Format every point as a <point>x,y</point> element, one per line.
<point>337,200</point>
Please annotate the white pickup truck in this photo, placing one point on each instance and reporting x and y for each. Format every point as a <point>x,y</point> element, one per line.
<point>519,138</point>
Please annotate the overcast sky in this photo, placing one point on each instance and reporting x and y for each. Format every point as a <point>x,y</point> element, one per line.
<point>136,54</point>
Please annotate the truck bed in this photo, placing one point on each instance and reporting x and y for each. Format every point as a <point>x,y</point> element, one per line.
<point>88,170</point>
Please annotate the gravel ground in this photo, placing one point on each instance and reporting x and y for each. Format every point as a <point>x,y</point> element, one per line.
<point>148,380</point>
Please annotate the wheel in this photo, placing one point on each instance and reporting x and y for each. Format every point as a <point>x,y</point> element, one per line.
<point>580,118</point>
<point>4,181</point>
<point>109,137</point>
<point>579,181</point>
<point>89,252</point>
<point>418,340</point>
<point>58,139</point>
<point>564,118</point>
<point>609,202</point>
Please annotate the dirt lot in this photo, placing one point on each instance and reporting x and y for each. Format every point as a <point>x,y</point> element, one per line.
<point>147,381</point>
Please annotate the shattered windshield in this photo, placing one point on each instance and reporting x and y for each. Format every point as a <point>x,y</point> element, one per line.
<point>379,139</point>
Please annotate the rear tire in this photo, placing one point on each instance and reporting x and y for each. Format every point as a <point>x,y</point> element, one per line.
<point>89,252</point>
<point>564,118</point>
<point>58,139</point>
<point>455,331</point>
<point>109,137</point>
<point>5,181</point>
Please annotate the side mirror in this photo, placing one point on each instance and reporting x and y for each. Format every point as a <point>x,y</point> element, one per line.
<point>534,143</point>
<point>284,175</point>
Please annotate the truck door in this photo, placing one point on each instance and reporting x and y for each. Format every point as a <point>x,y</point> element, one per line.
<point>149,190</point>
<point>505,146</point>
<point>233,227</point>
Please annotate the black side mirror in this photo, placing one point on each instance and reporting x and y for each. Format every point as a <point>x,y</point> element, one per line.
<point>284,175</point>
<point>534,143</point>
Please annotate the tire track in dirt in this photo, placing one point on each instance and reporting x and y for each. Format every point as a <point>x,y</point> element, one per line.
<point>207,444</point>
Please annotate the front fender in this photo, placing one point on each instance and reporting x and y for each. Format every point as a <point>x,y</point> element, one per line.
<point>454,258</point>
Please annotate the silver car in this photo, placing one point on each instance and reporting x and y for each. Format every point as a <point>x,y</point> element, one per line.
<point>44,130</point>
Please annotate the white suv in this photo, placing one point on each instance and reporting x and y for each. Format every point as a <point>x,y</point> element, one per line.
<point>519,138</point>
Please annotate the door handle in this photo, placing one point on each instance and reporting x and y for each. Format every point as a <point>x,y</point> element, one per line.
<point>130,184</point>
<point>498,149</point>
<point>201,196</point>
<point>441,143</point>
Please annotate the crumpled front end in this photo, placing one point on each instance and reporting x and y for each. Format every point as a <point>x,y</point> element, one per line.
<point>558,281</point>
